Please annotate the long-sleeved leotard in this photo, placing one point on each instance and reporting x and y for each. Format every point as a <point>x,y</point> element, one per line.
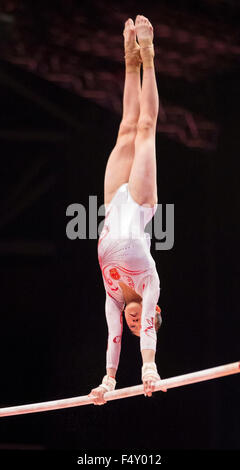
<point>124,256</point>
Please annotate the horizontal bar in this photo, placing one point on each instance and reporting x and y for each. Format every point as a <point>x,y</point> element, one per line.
<point>172,382</point>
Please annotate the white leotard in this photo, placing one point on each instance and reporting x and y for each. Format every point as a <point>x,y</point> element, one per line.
<point>124,255</point>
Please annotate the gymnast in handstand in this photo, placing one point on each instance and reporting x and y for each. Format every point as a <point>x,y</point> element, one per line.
<point>129,272</point>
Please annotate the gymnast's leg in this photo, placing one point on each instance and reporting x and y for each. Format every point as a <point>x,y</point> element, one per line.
<point>143,181</point>
<point>121,158</point>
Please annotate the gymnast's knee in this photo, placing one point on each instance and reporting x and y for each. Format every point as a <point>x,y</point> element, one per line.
<point>127,128</point>
<point>146,125</point>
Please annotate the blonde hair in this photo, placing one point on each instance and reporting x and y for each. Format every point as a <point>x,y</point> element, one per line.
<point>158,321</point>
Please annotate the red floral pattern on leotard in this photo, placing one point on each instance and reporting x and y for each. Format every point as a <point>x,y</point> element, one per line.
<point>149,328</point>
<point>125,275</point>
<point>114,274</point>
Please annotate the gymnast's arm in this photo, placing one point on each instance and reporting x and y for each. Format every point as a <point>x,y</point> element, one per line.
<point>113,311</point>
<point>150,322</point>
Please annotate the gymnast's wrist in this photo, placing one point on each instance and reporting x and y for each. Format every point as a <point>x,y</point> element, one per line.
<point>150,369</point>
<point>111,372</point>
<point>109,383</point>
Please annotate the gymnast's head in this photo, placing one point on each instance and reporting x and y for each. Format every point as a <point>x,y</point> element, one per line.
<point>133,313</point>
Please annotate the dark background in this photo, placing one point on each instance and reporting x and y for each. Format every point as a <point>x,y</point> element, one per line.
<point>61,84</point>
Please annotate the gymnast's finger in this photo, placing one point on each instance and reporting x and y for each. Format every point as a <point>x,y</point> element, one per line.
<point>147,388</point>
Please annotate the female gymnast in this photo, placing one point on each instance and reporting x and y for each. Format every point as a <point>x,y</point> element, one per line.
<point>129,272</point>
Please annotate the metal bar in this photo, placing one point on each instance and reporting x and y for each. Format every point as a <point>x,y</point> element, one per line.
<point>173,382</point>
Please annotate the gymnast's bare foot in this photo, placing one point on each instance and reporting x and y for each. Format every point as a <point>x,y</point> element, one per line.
<point>144,32</point>
<point>132,49</point>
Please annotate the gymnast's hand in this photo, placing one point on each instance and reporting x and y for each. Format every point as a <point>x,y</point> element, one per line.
<point>97,394</point>
<point>148,385</point>
<point>149,377</point>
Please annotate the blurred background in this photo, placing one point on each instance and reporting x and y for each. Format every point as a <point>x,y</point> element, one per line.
<point>61,85</point>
